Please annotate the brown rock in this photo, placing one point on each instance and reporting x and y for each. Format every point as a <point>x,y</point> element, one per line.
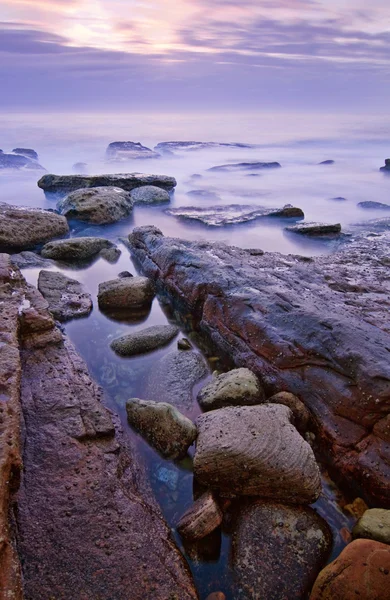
<point>22,228</point>
<point>239,387</point>
<point>201,519</point>
<point>301,416</point>
<point>216,596</point>
<point>66,297</point>
<point>131,292</point>
<point>361,571</point>
<point>357,508</point>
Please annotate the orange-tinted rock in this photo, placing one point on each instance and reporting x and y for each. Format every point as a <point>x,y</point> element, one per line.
<point>357,508</point>
<point>216,596</point>
<point>361,571</point>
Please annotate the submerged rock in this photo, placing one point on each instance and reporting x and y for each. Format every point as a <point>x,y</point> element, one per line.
<point>203,194</point>
<point>386,168</point>
<point>130,292</point>
<point>146,340</point>
<point>315,229</point>
<point>28,152</point>
<point>150,194</point>
<point>238,387</point>
<point>374,205</point>
<point>66,297</point>
<point>122,151</point>
<point>100,205</point>
<point>246,166</point>
<point>75,249</point>
<point>255,451</point>
<point>64,184</point>
<point>19,161</point>
<point>374,525</point>
<point>22,227</point>
<point>361,571</point>
<point>232,214</point>
<point>277,551</point>
<point>202,518</point>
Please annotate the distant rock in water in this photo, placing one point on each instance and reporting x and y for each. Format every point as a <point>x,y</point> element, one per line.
<point>22,228</point>
<point>339,199</point>
<point>386,168</point>
<point>121,151</point>
<point>100,205</point>
<point>163,146</point>
<point>327,162</point>
<point>64,184</point>
<point>246,166</point>
<point>150,194</point>
<point>375,205</point>
<point>27,259</point>
<point>203,194</point>
<point>80,168</point>
<point>315,229</point>
<point>75,249</point>
<point>19,161</point>
<point>232,214</point>
<point>28,152</point>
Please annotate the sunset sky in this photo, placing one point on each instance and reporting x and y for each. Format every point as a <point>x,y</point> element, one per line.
<point>160,54</point>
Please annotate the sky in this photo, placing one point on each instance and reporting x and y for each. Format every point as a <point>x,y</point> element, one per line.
<point>195,54</point>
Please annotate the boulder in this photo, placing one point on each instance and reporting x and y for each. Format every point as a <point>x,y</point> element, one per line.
<point>23,228</point>
<point>99,205</point>
<point>316,229</point>
<point>121,151</point>
<point>386,168</point>
<point>150,194</point>
<point>301,416</point>
<point>163,426</point>
<point>19,161</point>
<point>231,214</point>
<point>277,551</point>
<point>246,166</point>
<point>238,387</point>
<point>361,571</point>
<point>201,518</point>
<point>146,340</point>
<point>130,292</point>
<point>28,152</point>
<point>374,525</point>
<point>374,205</point>
<point>64,184</point>
<point>111,255</point>
<point>66,297</point>
<point>75,249</point>
<point>256,451</point>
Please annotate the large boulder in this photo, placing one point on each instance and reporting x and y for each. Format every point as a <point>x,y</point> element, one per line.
<point>64,184</point>
<point>66,297</point>
<point>76,249</point>
<point>100,205</point>
<point>150,194</point>
<point>256,451</point>
<point>361,571</point>
<point>232,214</point>
<point>165,428</point>
<point>130,292</point>
<point>277,551</point>
<point>22,228</point>
<point>146,340</point>
<point>201,519</point>
<point>122,151</point>
<point>238,387</point>
<point>374,525</point>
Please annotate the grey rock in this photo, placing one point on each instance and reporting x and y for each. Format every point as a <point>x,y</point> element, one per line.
<point>375,205</point>
<point>146,340</point>
<point>131,292</point>
<point>23,228</point>
<point>19,161</point>
<point>66,297</point>
<point>75,249</point>
<point>124,274</point>
<point>238,387</point>
<point>27,259</point>
<point>246,166</point>
<point>374,525</point>
<point>218,216</point>
<point>164,146</point>
<point>111,255</point>
<point>64,184</point>
<point>121,151</point>
<point>201,519</point>
<point>164,427</point>
<point>150,194</point>
<point>315,229</point>
<point>28,152</point>
<point>100,205</point>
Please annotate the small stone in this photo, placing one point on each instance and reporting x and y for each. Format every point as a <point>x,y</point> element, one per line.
<point>301,415</point>
<point>235,388</point>
<point>146,340</point>
<point>374,525</point>
<point>124,274</point>
<point>357,508</point>
<point>184,344</point>
<point>201,519</point>
<point>150,194</point>
<point>131,292</point>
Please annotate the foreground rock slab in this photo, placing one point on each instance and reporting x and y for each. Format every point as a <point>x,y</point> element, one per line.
<point>201,519</point>
<point>23,228</point>
<point>100,205</point>
<point>255,451</point>
<point>361,571</point>
<point>232,214</point>
<point>165,428</point>
<point>277,551</point>
<point>317,328</point>
<point>66,297</point>
<point>64,184</point>
<point>146,340</point>
<point>238,387</point>
<point>374,525</point>
<point>76,249</point>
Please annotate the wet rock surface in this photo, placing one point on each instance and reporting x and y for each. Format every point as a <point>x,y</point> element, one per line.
<point>23,228</point>
<point>150,194</point>
<point>64,184</point>
<point>238,387</point>
<point>317,328</point>
<point>128,292</point>
<point>245,166</point>
<point>76,249</point>
<point>277,551</point>
<point>374,525</point>
<point>100,205</point>
<point>146,340</point>
<point>66,297</point>
<point>201,519</point>
<point>231,214</point>
<point>165,428</point>
<point>315,229</point>
<point>122,151</point>
<point>255,451</point>
<point>361,571</point>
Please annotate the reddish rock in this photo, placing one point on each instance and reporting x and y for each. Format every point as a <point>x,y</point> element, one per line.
<point>361,571</point>
<point>201,518</point>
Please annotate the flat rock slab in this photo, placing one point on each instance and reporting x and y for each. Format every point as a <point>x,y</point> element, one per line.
<point>120,151</point>
<point>146,340</point>
<point>124,293</point>
<point>232,214</point>
<point>66,297</point>
<point>150,194</point>
<point>277,551</point>
<point>76,249</point>
<point>374,525</point>
<point>23,228</point>
<point>246,166</point>
<point>64,184</point>
<point>238,387</point>
<point>100,205</point>
<point>315,229</point>
<point>163,426</point>
<point>256,451</point>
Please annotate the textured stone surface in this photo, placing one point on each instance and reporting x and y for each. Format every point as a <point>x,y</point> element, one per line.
<point>374,525</point>
<point>66,297</point>
<point>231,214</point>
<point>28,259</point>
<point>315,229</point>
<point>201,518</point>
<point>165,428</point>
<point>99,205</point>
<point>317,328</point>
<point>277,551</point>
<point>146,340</point>
<point>23,228</point>
<point>150,194</point>
<point>75,249</point>
<point>238,387</point>
<point>130,292</point>
<point>361,571</point>
<point>255,451</point>
<point>63,184</point>
<point>301,416</point>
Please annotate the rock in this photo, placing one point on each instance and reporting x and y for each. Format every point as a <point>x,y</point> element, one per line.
<point>184,344</point>
<point>356,509</point>
<point>124,274</point>
<point>27,259</point>
<point>301,416</point>
<point>80,168</point>
<point>246,166</point>
<point>201,518</point>
<point>131,292</point>
<point>111,255</point>
<point>255,451</point>
<point>121,151</point>
<point>277,551</point>
<point>164,427</point>
<point>238,387</point>
<point>203,194</point>
<point>231,214</point>
<point>64,184</point>
<point>66,297</point>
<point>315,229</point>
<point>327,162</point>
<point>150,194</point>
<point>196,176</point>
<point>23,228</point>
<point>75,249</point>
<point>374,525</point>
<point>18,161</point>
<point>339,199</point>
<point>216,596</point>
<point>374,205</point>
<point>163,146</point>
<point>28,152</point>
<point>146,340</point>
<point>386,168</point>
<point>174,376</point>
<point>302,326</point>
<point>99,205</point>
<point>361,571</point>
